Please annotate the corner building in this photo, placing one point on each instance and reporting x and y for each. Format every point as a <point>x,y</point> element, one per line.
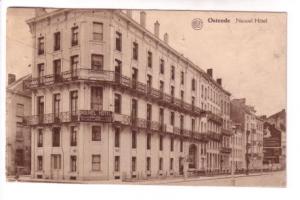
<point>111,100</point>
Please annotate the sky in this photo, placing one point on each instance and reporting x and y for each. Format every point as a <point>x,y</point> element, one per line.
<point>249,57</point>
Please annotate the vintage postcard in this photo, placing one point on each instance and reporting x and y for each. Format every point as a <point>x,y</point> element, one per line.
<point>146,97</point>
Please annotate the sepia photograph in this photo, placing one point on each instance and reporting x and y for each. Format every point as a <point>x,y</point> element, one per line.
<point>146,97</point>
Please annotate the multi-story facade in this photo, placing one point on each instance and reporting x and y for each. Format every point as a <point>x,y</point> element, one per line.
<point>18,144</point>
<point>252,128</point>
<point>279,121</point>
<point>111,100</point>
<point>237,158</point>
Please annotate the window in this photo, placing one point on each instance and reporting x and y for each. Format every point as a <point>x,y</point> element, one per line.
<point>40,105</point>
<point>117,137</point>
<point>172,91</point>
<point>73,163</point>
<point>20,110</point>
<point>118,41</point>
<point>40,138</point>
<point>161,86</point>
<point>134,107</point>
<point>56,137</point>
<point>135,51</point>
<point>148,164</point>
<point>161,142</point>
<point>133,139</point>
<point>41,70</point>
<point>74,65</point>
<point>162,66</point>
<point>149,81</point>
<point>171,163</point>
<point>182,78</point>
<point>193,101</point>
<point>161,116</point>
<point>172,72</point>
<point>97,62</point>
<point>74,37</point>
<point>133,164</point>
<point>97,31</point>
<point>148,141</point>
<point>182,95</point>
<point>118,103</point>
<point>172,118</point>
<point>56,161</point>
<point>150,59</point>
<point>74,102</point>
<point>41,45</point>
<point>96,98</point>
<point>149,112</point>
<point>56,109</point>
<point>181,145</point>
<point>56,41</point>
<point>96,133</point>
<point>96,162</point>
<point>193,84</point>
<point>73,136</point>
<point>57,70</point>
<point>172,144</point>
<point>117,163</point>
<point>40,163</point>
<point>193,124</point>
<point>160,163</point>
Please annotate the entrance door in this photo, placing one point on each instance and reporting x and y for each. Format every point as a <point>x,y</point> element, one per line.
<point>181,166</point>
<point>192,156</point>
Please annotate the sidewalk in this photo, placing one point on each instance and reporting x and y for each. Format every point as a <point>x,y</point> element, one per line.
<point>156,181</point>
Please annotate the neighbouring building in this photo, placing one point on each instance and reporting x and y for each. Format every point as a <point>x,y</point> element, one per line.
<point>18,105</point>
<point>237,158</point>
<point>272,146</point>
<point>252,128</point>
<point>111,100</point>
<point>279,121</point>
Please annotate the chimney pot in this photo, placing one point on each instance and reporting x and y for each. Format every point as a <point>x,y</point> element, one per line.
<point>11,78</point>
<point>156,29</point>
<point>166,38</point>
<point>210,72</point>
<point>219,81</point>
<point>143,18</point>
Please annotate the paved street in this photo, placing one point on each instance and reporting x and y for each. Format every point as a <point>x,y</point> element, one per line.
<point>275,179</point>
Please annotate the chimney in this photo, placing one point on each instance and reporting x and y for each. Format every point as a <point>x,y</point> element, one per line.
<point>40,12</point>
<point>156,29</point>
<point>219,81</point>
<point>210,72</point>
<point>129,13</point>
<point>11,78</point>
<point>143,18</point>
<point>166,38</point>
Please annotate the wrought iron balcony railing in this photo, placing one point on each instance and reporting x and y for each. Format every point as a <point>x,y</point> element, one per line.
<point>118,81</point>
<point>214,136</point>
<point>225,150</point>
<point>213,117</point>
<point>226,132</point>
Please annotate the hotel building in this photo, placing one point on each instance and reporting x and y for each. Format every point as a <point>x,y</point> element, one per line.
<point>111,100</point>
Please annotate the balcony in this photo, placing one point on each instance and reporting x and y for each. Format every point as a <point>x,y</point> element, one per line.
<point>214,136</point>
<point>117,81</point>
<point>67,117</point>
<point>226,132</point>
<point>225,150</point>
<point>213,117</point>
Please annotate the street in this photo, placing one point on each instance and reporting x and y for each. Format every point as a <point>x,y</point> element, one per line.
<point>274,179</point>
